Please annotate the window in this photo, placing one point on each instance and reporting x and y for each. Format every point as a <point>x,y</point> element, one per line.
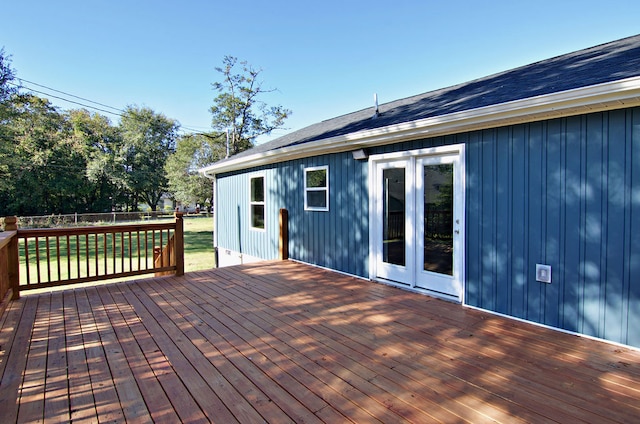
<point>257,203</point>
<point>316,188</point>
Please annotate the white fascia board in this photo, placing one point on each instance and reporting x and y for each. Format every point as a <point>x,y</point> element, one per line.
<point>595,98</point>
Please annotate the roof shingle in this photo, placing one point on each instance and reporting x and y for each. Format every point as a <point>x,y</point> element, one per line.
<point>595,65</point>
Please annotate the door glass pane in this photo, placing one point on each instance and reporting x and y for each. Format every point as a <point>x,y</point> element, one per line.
<point>393,237</point>
<point>438,218</point>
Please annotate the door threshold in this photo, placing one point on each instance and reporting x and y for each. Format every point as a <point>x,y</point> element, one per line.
<point>414,289</point>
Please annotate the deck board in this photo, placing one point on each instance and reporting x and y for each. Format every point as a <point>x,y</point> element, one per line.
<point>122,319</point>
<point>234,389</point>
<point>286,342</point>
<point>178,350</point>
<point>103,388</point>
<point>81,400</point>
<point>351,331</point>
<point>249,333</point>
<point>36,366</point>
<point>185,407</point>
<point>230,353</point>
<point>339,359</point>
<point>15,356</point>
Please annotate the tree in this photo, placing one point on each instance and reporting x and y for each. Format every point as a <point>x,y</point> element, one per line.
<point>238,107</point>
<point>7,75</point>
<point>147,140</point>
<point>77,161</point>
<point>7,90</point>
<point>98,141</point>
<point>47,171</point>
<point>41,168</point>
<point>193,152</point>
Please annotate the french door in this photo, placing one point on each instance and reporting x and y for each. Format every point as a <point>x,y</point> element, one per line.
<point>417,218</point>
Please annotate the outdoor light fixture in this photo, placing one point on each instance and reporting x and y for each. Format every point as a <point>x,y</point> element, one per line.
<point>360,154</point>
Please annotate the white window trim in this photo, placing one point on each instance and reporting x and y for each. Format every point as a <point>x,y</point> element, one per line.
<point>263,203</point>
<point>307,189</point>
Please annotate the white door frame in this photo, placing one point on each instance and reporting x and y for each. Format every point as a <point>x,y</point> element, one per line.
<point>378,162</point>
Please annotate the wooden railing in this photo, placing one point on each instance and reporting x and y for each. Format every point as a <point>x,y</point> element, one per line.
<point>8,264</point>
<point>54,257</point>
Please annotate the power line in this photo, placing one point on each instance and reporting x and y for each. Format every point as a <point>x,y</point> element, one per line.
<point>119,112</point>
<point>66,100</point>
<point>71,95</point>
<point>193,130</point>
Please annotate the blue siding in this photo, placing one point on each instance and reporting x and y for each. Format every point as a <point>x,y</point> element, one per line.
<point>233,217</point>
<point>631,302</point>
<point>337,239</point>
<point>503,256</point>
<point>574,166</point>
<point>563,192</point>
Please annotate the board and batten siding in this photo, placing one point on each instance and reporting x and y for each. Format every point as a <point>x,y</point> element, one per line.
<point>563,192</point>
<point>233,220</point>
<point>566,193</point>
<point>337,239</point>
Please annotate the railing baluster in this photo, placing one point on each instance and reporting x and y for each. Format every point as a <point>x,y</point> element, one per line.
<point>169,247</point>
<point>122,251</point>
<point>113,251</point>
<point>161,255</point>
<point>68,257</point>
<point>167,257</point>
<point>138,253</point>
<point>153,246</point>
<point>104,253</point>
<point>146,249</point>
<point>38,259</point>
<point>86,246</point>
<point>78,253</point>
<point>95,248</point>
<point>58,256</point>
<point>26,260</point>
<point>130,258</point>
<point>48,259</point>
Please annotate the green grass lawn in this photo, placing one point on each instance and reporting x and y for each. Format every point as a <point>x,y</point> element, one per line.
<point>198,243</point>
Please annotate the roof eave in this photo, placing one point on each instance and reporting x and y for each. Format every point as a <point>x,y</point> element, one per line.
<point>610,95</point>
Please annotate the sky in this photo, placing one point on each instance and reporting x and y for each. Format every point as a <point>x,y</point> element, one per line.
<point>322,58</point>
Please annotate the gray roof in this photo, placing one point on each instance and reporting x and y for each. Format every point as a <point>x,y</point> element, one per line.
<point>603,63</point>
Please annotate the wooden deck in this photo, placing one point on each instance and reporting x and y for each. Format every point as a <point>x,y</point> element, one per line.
<point>284,342</point>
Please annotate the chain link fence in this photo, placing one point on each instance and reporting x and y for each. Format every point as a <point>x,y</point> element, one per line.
<point>85,219</point>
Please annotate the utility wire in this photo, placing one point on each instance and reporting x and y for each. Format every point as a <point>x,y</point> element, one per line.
<point>119,112</point>
<point>70,95</point>
<point>66,100</point>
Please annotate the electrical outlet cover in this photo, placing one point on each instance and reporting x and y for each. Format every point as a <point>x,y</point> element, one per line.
<point>543,273</point>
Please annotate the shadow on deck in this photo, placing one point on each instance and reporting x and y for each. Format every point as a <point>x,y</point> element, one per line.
<point>285,342</point>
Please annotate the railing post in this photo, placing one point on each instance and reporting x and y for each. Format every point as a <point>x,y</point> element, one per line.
<point>11,224</point>
<point>179,244</point>
<point>283,242</point>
